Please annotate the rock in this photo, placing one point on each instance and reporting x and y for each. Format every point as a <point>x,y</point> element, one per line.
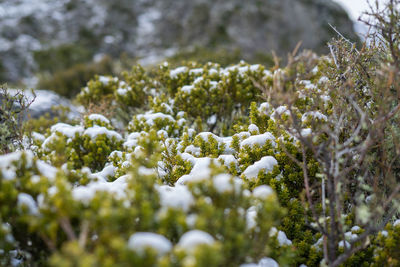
<point>44,102</point>
<point>253,26</point>
<point>152,29</point>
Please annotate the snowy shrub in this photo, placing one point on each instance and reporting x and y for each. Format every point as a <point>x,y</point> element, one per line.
<point>98,88</point>
<point>386,252</point>
<point>81,145</point>
<point>211,166</point>
<point>142,220</point>
<point>168,189</point>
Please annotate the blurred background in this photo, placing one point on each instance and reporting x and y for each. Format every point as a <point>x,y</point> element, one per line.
<point>59,45</point>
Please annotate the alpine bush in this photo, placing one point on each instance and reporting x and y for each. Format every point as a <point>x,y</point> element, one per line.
<point>204,165</point>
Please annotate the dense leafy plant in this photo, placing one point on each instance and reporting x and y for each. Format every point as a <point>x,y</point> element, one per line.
<point>217,166</point>
<point>68,81</point>
<point>62,57</point>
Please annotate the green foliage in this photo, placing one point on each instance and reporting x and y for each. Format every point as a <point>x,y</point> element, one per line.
<point>163,176</point>
<point>69,81</point>
<point>77,227</point>
<point>77,146</point>
<point>388,242</point>
<point>172,164</point>
<point>168,176</point>
<point>126,95</point>
<point>216,96</point>
<point>41,124</point>
<point>195,169</point>
<point>224,57</point>
<point>219,95</point>
<point>3,73</point>
<point>61,57</point>
<point>204,55</point>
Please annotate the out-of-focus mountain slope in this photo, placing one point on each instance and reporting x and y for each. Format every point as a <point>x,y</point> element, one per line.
<point>147,29</point>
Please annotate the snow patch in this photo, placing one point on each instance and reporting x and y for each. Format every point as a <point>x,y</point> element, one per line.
<point>178,197</point>
<point>262,191</point>
<point>251,215</point>
<point>227,160</point>
<point>281,236</point>
<point>66,129</point>
<point>95,131</point>
<point>46,169</point>
<point>99,117</point>
<point>264,262</point>
<point>141,241</point>
<point>200,171</point>
<point>86,193</point>
<point>259,140</point>
<point>187,89</point>
<point>151,117</point>
<point>175,72</point>
<point>226,183</point>
<point>253,129</point>
<point>266,163</point>
<point>313,114</point>
<point>190,240</point>
<point>27,201</point>
<point>7,168</point>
